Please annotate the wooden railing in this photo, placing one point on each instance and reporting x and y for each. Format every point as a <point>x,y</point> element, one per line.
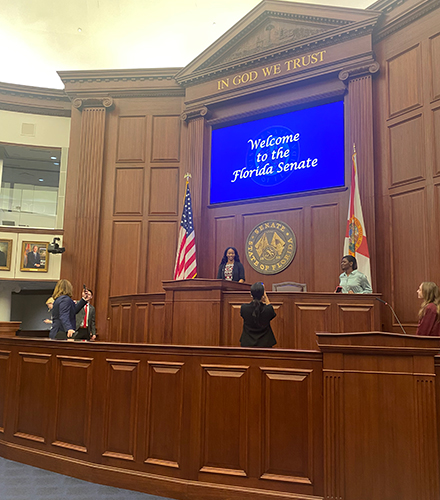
<point>356,421</point>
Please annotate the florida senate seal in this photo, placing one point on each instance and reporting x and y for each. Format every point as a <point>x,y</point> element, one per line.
<point>270,247</point>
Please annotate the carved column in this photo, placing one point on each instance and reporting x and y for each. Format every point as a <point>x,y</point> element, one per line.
<point>90,168</point>
<point>360,132</point>
<point>195,156</point>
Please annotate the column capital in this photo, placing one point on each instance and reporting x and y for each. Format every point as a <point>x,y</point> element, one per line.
<point>357,71</point>
<point>192,113</point>
<point>106,102</point>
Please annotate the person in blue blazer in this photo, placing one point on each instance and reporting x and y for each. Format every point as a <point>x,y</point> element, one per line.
<point>64,310</point>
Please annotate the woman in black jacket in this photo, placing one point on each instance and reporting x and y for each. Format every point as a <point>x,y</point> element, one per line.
<point>230,268</point>
<point>257,316</point>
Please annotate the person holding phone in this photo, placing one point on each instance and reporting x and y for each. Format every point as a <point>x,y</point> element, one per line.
<point>64,310</point>
<point>85,320</point>
<point>49,303</point>
<point>351,280</point>
<point>257,316</point>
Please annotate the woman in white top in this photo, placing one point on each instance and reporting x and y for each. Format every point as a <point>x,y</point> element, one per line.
<point>351,280</point>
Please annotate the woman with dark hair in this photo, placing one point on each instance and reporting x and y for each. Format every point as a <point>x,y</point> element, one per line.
<point>64,310</point>
<point>351,280</point>
<point>429,313</point>
<point>257,316</point>
<point>230,268</point>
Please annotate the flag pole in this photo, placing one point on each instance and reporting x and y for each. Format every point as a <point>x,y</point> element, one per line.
<point>185,266</point>
<point>187,177</point>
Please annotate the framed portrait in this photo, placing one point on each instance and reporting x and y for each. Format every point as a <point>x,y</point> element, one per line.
<point>5,255</point>
<point>34,256</point>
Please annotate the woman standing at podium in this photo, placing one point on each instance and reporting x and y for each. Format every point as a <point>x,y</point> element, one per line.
<point>230,268</point>
<point>257,316</point>
<point>429,313</point>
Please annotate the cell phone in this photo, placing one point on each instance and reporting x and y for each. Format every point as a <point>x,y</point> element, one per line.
<point>338,289</point>
<point>84,287</point>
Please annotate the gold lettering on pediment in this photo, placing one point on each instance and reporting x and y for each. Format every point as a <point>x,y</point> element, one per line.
<point>294,64</point>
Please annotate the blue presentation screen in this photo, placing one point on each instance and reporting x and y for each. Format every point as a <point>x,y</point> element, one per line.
<point>289,153</point>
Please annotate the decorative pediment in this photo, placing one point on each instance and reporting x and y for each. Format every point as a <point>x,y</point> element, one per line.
<point>271,33</point>
<point>275,28</point>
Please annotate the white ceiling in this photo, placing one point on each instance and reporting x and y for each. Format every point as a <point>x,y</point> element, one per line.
<point>40,37</point>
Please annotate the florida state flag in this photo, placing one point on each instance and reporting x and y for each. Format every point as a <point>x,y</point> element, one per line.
<point>355,242</point>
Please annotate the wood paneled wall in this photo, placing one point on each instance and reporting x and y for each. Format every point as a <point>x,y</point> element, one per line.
<point>141,189</point>
<point>407,145</point>
<point>317,223</point>
<point>140,199</point>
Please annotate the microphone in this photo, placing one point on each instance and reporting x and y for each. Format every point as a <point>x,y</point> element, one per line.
<point>392,310</point>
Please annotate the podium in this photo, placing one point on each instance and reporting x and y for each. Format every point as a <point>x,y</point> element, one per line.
<point>194,310</point>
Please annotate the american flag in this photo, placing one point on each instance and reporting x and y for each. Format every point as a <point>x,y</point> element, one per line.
<point>186,264</point>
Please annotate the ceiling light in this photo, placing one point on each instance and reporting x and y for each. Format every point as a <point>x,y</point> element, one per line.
<point>53,157</point>
<point>41,180</point>
<point>79,30</point>
<point>56,163</point>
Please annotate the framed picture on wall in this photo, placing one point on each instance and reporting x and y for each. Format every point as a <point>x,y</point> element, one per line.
<point>34,256</point>
<point>5,255</point>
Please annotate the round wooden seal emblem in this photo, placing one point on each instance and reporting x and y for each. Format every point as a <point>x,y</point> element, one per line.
<point>270,247</point>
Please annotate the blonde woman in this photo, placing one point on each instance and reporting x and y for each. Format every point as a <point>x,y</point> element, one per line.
<point>64,310</point>
<point>49,303</point>
<point>429,313</point>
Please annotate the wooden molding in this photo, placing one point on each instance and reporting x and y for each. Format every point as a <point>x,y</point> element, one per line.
<point>401,19</point>
<point>124,83</point>
<point>35,100</point>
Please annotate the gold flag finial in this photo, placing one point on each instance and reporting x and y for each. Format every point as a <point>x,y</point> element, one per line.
<point>187,176</point>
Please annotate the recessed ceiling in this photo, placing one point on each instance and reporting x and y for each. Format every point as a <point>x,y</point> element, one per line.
<point>41,38</point>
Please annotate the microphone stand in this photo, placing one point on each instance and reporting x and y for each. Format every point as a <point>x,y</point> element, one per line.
<point>392,310</point>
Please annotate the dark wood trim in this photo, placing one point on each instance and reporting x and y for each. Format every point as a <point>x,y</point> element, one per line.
<point>19,229</point>
<point>34,100</point>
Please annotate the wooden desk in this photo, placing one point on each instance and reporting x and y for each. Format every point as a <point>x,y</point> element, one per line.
<point>356,421</point>
<point>207,312</point>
